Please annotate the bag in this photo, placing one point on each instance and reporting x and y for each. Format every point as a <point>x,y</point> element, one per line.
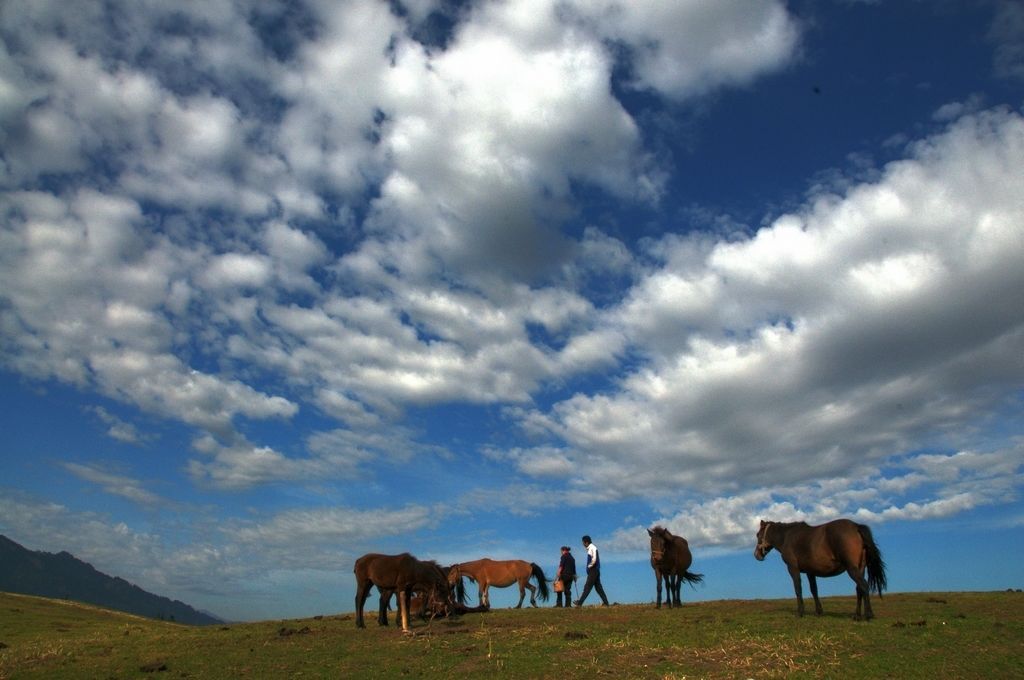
<point>559,585</point>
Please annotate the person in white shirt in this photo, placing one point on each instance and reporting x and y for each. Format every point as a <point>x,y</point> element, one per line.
<point>593,574</point>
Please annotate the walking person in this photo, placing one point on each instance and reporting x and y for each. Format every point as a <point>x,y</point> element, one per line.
<point>564,577</point>
<point>593,574</point>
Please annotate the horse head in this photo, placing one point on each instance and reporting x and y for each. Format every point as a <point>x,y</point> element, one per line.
<point>660,539</point>
<point>456,584</point>
<point>439,596</point>
<point>436,604</point>
<point>763,546</point>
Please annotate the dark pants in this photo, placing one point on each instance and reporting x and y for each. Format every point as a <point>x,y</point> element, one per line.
<point>567,587</point>
<point>593,581</point>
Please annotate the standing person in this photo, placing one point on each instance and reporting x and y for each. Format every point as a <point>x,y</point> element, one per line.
<point>593,574</point>
<point>566,574</point>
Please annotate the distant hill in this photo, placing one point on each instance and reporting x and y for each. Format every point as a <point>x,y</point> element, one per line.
<point>64,576</point>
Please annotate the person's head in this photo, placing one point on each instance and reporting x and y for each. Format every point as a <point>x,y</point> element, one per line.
<point>565,549</point>
<point>586,541</point>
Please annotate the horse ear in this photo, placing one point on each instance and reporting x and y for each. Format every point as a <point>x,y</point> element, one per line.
<point>763,523</point>
<point>650,533</point>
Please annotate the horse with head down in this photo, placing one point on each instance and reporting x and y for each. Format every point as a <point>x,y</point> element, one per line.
<point>671,560</point>
<point>401,574</point>
<point>428,608</point>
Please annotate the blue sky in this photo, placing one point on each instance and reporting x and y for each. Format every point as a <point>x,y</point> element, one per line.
<point>282,283</point>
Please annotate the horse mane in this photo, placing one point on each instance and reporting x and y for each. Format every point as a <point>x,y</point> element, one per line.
<point>789,525</point>
<point>669,537</point>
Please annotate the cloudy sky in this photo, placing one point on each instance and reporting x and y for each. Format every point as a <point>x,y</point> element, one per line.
<point>285,282</point>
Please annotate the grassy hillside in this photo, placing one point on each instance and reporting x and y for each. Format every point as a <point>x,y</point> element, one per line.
<point>64,576</point>
<point>918,635</point>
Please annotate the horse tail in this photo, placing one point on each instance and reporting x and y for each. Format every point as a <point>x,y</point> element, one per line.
<point>875,563</point>
<point>542,582</point>
<point>692,578</point>
<point>460,590</point>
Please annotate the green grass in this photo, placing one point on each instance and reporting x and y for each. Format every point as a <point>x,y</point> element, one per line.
<point>916,635</point>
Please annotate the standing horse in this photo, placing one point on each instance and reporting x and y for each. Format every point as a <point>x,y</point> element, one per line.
<point>401,574</point>
<point>671,560</point>
<point>826,550</point>
<point>501,574</point>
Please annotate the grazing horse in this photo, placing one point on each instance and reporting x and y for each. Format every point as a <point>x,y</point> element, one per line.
<point>671,560</point>
<point>422,606</point>
<point>501,574</point>
<point>424,609</point>
<point>826,550</point>
<point>401,574</point>
<point>429,609</point>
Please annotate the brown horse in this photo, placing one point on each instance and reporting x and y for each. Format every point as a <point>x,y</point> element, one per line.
<point>401,574</point>
<point>501,574</point>
<point>425,608</point>
<point>428,609</point>
<point>671,560</point>
<point>826,550</point>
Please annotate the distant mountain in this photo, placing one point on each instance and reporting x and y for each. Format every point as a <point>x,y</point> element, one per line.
<point>64,576</point>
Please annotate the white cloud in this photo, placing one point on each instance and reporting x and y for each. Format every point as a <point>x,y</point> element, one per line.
<point>116,484</point>
<point>943,485</point>
<point>1007,33</point>
<point>830,338</point>
<point>217,560</point>
<point>111,547</point>
<point>485,137</point>
<point>237,270</point>
<point>119,429</point>
<point>684,49</point>
<point>297,528</point>
<point>212,259</point>
<point>334,94</point>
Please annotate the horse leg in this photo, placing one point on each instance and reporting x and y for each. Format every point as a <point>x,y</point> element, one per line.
<point>794,573</point>
<point>868,614</point>
<point>403,608</point>
<point>385,598</point>
<point>522,594</point>
<point>485,599</point>
<point>677,587</point>
<point>362,592</point>
<point>812,581</point>
<point>862,593</point>
<point>657,580</point>
<point>533,593</point>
